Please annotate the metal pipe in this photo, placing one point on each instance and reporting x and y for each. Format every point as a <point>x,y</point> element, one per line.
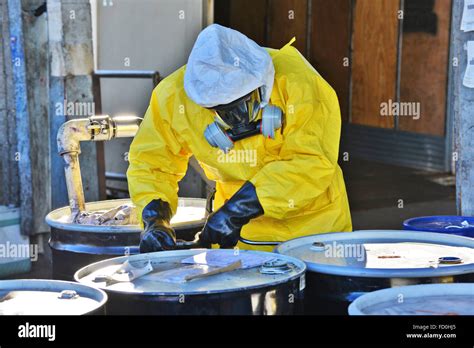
<point>94,128</point>
<point>116,176</point>
<point>139,74</point>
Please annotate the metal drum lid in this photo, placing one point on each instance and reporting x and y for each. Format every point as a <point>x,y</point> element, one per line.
<point>426,299</point>
<point>165,273</point>
<point>48,297</point>
<point>458,225</point>
<point>383,253</point>
<point>190,212</point>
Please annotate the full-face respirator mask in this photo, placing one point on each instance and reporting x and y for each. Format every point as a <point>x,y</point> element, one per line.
<point>240,119</point>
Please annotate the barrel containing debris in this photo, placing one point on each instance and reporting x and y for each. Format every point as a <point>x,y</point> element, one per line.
<point>344,266</point>
<point>427,299</point>
<point>450,224</point>
<point>199,282</point>
<point>50,297</point>
<point>77,244</point>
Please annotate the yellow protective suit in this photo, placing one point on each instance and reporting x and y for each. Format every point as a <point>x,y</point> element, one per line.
<point>298,181</point>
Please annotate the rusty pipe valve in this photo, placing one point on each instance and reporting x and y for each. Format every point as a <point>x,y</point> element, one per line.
<point>94,128</point>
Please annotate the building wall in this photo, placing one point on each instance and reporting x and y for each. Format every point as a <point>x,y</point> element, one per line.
<point>152,35</point>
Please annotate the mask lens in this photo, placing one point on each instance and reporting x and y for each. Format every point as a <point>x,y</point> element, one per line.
<point>239,112</point>
<point>253,104</point>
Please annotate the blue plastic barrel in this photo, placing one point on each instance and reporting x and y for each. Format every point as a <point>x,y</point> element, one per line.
<point>458,225</point>
<point>421,299</point>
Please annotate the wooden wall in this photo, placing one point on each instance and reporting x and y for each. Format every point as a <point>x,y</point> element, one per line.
<point>330,38</point>
<point>424,72</point>
<point>236,14</point>
<point>366,32</point>
<point>287,19</point>
<point>374,64</point>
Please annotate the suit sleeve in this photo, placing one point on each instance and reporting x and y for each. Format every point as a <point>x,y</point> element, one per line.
<point>157,160</point>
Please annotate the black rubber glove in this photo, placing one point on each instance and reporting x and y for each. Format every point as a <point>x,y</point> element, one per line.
<point>158,234</point>
<point>224,225</point>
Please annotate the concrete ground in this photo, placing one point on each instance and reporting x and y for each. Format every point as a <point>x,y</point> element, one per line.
<point>374,191</point>
<point>383,196</point>
<point>41,268</point>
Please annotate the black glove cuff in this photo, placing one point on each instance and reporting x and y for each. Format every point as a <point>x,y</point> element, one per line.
<point>158,234</point>
<point>157,212</point>
<point>224,225</point>
<point>244,204</point>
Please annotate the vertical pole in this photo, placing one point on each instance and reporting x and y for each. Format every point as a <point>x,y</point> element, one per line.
<point>463,110</point>
<point>56,95</point>
<point>449,164</point>
<point>351,54</point>
<point>71,67</point>
<point>100,148</point>
<point>399,62</point>
<point>9,183</point>
<point>309,28</point>
<point>22,116</point>
<point>209,13</point>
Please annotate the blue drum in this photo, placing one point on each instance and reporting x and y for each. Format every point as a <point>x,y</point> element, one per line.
<point>457,225</point>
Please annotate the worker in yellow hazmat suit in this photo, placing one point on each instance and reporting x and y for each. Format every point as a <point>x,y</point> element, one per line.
<point>263,124</point>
